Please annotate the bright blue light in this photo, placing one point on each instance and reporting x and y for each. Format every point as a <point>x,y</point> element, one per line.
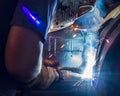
<point>100,4</point>
<point>28,13</point>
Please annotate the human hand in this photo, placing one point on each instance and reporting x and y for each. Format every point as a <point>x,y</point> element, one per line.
<point>49,75</point>
<point>46,77</point>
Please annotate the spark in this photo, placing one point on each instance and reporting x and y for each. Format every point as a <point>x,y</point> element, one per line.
<point>107,41</point>
<point>50,55</point>
<point>74,35</point>
<point>62,46</point>
<point>75,27</point>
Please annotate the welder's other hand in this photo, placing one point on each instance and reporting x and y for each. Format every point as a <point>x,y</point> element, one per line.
<point>47,76</point>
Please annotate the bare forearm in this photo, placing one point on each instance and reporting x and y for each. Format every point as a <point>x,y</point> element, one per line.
<point>23,53</point>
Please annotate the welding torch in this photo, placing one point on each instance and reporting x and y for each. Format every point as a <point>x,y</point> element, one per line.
<point>72,69</point>
<point>64,68</point>
<point>58,67</point>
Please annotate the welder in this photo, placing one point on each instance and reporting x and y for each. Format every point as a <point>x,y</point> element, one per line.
<point>23,29</point>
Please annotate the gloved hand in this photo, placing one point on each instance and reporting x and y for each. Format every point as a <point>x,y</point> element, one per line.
<point>46,77</point>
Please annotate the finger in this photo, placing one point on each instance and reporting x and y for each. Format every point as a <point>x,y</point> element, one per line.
<point>56,75</point>
<point>51,77</point>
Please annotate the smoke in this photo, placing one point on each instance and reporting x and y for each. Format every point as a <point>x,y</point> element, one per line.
<point>100,4</point>
<point>89,20</point>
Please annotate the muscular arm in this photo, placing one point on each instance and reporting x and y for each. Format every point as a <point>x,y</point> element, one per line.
<point>23,53</point>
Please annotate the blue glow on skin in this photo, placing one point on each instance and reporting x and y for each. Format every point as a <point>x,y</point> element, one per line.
<point>28,13</point>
